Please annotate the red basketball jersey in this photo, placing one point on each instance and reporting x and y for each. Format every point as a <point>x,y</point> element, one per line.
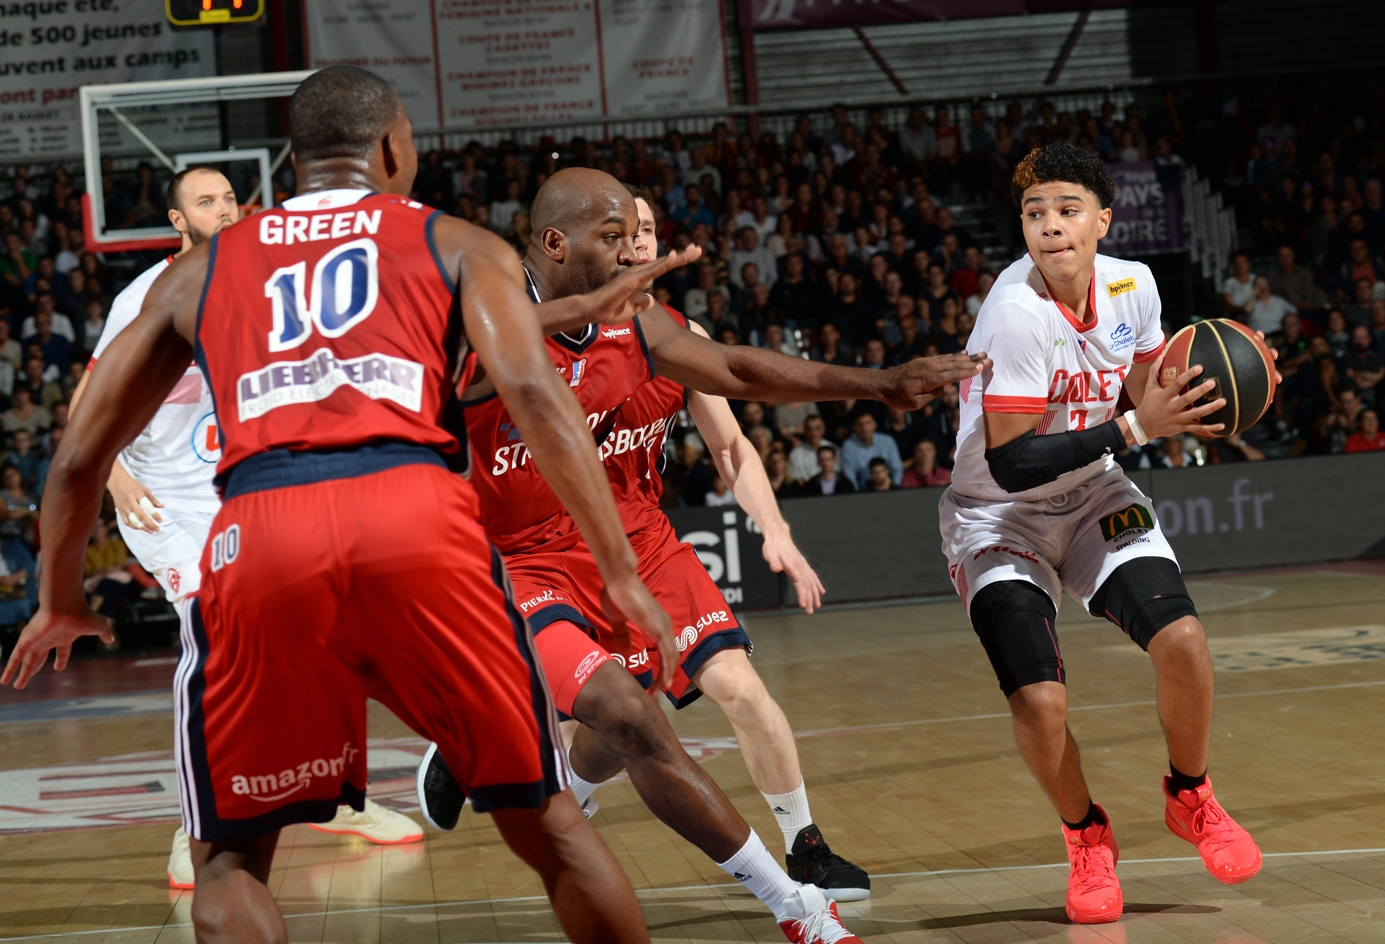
<point>603,366</point>
<point>307,346</point>
<point>634,446</point>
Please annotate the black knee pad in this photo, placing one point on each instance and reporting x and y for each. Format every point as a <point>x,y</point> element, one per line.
<point>1014,620</point>
<point>1143,596</point>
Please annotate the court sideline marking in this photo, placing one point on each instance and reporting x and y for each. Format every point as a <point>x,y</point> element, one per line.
<point>887,725</point>
<point>685,888</point>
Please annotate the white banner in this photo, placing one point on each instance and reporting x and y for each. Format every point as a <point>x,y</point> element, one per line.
<point>473,63</point>
<point>50,49</point>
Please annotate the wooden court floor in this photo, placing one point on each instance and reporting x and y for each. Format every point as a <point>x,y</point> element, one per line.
<point>911,772</point>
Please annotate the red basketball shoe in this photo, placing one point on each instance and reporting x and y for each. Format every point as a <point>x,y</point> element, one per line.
<point>1094,892</point>
<point>1226,848</point>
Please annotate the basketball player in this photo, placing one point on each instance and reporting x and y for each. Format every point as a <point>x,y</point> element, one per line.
<point>347,559</point>
<point>714,653</point>
<point>584,223</point>
<point>177,455</point>
<point>1037,505</point>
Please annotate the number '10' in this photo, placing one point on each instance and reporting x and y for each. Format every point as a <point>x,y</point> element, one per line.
<point>343,292</point>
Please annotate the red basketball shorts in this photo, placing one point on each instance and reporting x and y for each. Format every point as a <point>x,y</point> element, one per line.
<point>558,588</point>
<point>330,578</point>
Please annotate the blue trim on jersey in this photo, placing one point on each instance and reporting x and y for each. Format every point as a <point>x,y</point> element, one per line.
<point>281,468</point>
<point>500,796</point>
<point>704,650</point>
<point>199,353</point>
<point>212,827</point>
<point>644,346</point>
<point>433,248</point>
<point>548,615</point>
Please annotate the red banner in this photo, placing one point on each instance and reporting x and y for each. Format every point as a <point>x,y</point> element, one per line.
<point>810,14</point>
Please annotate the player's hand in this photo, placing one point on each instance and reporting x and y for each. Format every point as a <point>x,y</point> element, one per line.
<point>783,556</point>
<point>134,503</point>
<point>46,631</point>
<point>627,603</point>
<point>909,386</point>
<point>626,295</point>
<point>1165,411</point>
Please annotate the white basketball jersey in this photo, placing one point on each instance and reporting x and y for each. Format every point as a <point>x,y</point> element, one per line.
<point>174,456</point>
<point>1046,361</point>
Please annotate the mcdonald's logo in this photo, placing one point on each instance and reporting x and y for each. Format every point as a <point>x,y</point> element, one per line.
<point>1132,518</point>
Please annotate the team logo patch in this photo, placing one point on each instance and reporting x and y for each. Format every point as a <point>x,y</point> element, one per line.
<point>206,440</point>
<point>1132,519</point>
<point>1120,288</point>
<point>578,369</point>
<point>1122,337</point>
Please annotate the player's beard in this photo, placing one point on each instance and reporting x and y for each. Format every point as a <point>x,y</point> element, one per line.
<point>590,274</point>
<point>197,237</point>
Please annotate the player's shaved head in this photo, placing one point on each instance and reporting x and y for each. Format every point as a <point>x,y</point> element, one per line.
<point>341,112</point>
<point>583,222</point>
<point>574,197</point>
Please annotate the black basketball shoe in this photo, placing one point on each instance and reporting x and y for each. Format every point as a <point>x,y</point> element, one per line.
<point>440,797</point>
<point>813,863</point>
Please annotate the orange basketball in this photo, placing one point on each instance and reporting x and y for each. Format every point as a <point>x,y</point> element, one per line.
<point>1234,359</point>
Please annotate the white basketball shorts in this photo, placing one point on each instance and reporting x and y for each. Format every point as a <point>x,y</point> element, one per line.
<point>1072,541</point>
<point>173,554</point>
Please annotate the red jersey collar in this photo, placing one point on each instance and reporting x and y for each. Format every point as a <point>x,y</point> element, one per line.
<point>1067,312</point>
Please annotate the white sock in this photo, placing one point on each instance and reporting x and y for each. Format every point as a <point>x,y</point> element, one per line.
<point>791,813</point>
<point>582,789</point>
<point>758,871</point>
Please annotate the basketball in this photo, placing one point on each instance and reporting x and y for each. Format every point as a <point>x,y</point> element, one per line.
<point>1235,360</point>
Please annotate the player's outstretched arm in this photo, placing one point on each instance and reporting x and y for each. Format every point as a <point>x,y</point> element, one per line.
<point>750,373</point>
<point>501,326</point>
<point>740,468</point>
<point>618,301</point>
<point>124,391</point>
<point>1020,460</point>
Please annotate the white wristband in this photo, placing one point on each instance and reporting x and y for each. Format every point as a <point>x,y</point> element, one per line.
<point>1135,430</point>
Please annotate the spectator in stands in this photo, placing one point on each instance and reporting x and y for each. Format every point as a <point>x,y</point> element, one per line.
<point>58,323</point>
<point>1238,288</point>
<point>1360,263</point>
<point>106,576</point>
<point>794,297</point>
<point>10,349</point>
<point>851,314</point>
<point>777,470</point>
<point>693,210</point>
<point>1293,282</point>
<point>940,425</point>
<point>1265,311</point>
<point>828,481</point>
<point>925,472</point>
<point>1338,338</point>
<point>20,512</point>
<point>748,251</point>
<point>1172,455</point>
<point>91,325</point>
<point>25,414</point>
<point>803,459</point>
<point>36,378</point>
<point>878,477</point>
<point>24,457</point>
<point>984,281</point>
<point>1358,310</point>
<point>692,478</point>
<point>1363,366</point>
<point>1367,437</point>
<point>862,446</point>
<point>720,318</point>
<point>16,263</point>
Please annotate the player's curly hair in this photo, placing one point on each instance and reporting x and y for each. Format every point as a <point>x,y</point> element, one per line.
<point>1065,162</point>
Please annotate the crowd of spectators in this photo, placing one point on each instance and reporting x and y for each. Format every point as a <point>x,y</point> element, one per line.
<point>839,241</point>
<point>54,296</point>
